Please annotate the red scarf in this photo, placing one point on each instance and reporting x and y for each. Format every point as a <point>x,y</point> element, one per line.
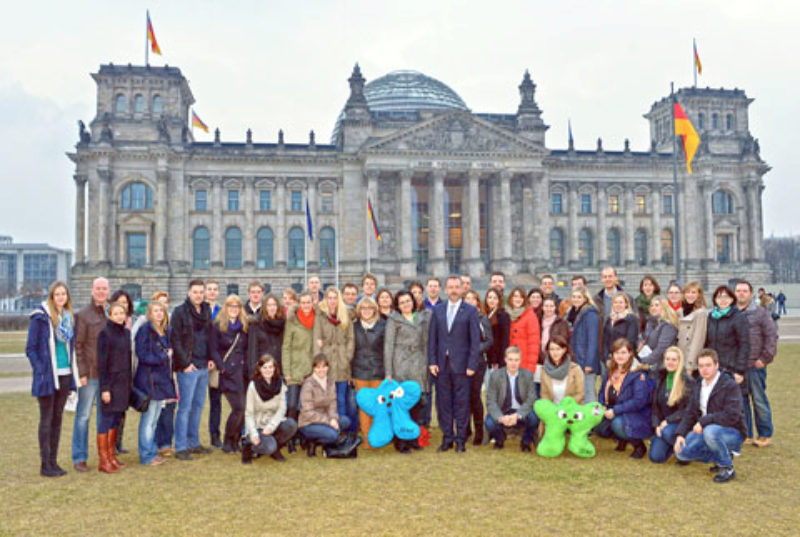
<point>306,319</point>
<point>675,308</point>
<point>333,320</point>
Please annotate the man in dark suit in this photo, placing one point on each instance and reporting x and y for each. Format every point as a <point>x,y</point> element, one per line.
<point>453,350</point>
<point>509,401</point>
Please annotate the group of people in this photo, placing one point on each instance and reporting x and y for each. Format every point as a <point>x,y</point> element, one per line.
<point>672,369</point>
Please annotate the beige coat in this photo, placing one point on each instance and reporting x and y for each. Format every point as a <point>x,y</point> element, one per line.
<point>338,345</point>
<point>260,414</point>
<point>574,384</point>
<point>692,336</point>
<point>317,405</point>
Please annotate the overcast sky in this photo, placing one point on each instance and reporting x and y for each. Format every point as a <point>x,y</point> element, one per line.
<point>269,65</point>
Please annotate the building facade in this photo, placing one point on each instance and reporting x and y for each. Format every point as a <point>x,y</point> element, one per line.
<point>452,191</point>
<point>26,272</point>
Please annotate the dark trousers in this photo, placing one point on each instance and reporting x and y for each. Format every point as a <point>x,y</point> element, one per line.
<point>233,427</point>
<point>214,411</point>
<point>109,420</point>
<point>475,402</point>
<point>452,404</point>
<point>293,401</point>
<point>166,426</point>
<point>120,432</point>
<point>51,409</point>
<point>270,443</point>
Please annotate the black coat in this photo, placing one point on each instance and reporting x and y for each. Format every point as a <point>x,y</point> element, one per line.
<point>114,365</point>
<point>487,336</point>
<point>627,328</point>
<point>500,336</point>
<point>153,374</point>
<point>185,322</point>
<point>233,372</point>
<point>367,361</point>
<point>730,337</point>
<point>724,407</point>
<point>661,410</point>
<point>264,337</point>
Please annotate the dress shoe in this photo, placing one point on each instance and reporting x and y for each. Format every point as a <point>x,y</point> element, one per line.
<point>682,463</point>
<point>56,468</point>
<point>80,466</point>
<point>278,456</point>
<point>498,445</point>
<point>460,447</point>
<point>247,454</point>
<point>215,441</point>
<point>200,449</point>
<point>725,474</point>
<point>444,447</point>
<point>763,441</point>
<point>183,455</point>
<point>525,448</point>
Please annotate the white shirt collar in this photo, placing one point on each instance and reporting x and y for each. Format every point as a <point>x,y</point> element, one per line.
<point>713,381</point>
<point>454,304</point>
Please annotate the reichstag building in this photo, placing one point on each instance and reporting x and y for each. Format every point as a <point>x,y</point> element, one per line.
<point>453,190</point>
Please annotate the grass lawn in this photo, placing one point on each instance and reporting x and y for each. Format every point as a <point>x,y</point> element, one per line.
<point>482,492</point>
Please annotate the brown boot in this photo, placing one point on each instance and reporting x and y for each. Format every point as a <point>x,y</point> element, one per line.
<point>102,451</point>
<point>112,455</point>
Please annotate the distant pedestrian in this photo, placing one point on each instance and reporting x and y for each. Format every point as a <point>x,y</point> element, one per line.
<point>781,300</point>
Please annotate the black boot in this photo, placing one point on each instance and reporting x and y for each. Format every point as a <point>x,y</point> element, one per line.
<point>215,441</point>
<point>311,448</point>
<point>247,453</point>
<point>621,445</point>
<point>54,438</point>
<point>118,439</point>
<point>278,456</point>
<point>639,449</point>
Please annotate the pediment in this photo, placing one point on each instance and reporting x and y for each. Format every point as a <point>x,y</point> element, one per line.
<point>136,219</point>
<point>457,131</point>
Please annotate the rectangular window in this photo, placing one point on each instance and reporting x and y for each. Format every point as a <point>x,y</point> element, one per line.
<point>327,202</point>
<point>137,249</point>
<point>613,204</point>
<point>666,204</point>
<point>296,201</point>
<point>201,200</point>
<point>233,200</point>
<point>38,271</point>
<point>232,289</point>
<point>265,200</point>
<point>724,249</point>
<point>641,204</point>
<point>557,204</point>
<point>586,204</point>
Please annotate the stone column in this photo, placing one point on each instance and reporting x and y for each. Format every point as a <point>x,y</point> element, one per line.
<point>217,255</point>
<point>80,218</point>
<point>541,220</point>
<point>505,263</point>
<point>437,264</point>
<point>313,246</point>
<point>758,247</point>
<point>711,243</point>
<point>104,226</point>
<point>249,233</point>
<point>471,207</point>
<point>370,194</point>
<point>630,230</point>
<point>655,226</point>
<point>280,245</point>
<point>602,231</point>
<point>572,240</point>
<point>528,221</point>
<point>160,239</point>
<point>179,235</point>
<point>408,267</point>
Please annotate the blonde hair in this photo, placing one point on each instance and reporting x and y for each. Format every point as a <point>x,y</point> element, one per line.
<point>701,297</point>
<point>222,316</point>
<point>51,303</point>
<point>628,308</point>
<point>161,328</point>
<point>341,309</point>
<point>584,292</point>
<point>367,302</point>
<point>678,381</point>
<point>667,313</point>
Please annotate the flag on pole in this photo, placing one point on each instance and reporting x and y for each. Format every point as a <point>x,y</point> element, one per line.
<point>151,36</point>
<point>309,223</point>
<point>684,129</point>
<point>697,64</point>
<point>569,129</point>
<point>371,215</point>
<point>197,122</point>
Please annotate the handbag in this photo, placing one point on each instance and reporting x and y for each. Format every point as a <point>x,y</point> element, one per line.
<point>213,376</point>
<point>139,401</point>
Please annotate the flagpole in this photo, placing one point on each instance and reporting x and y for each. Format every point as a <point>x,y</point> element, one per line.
<point>147,41</point>
<point>677,236</point>
<point>694,60</point>
<point>366,234</point>
<point>336,246</point>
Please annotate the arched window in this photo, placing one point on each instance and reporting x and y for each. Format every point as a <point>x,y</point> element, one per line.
<point>640,246</point>
<point>729,123</point>
<point>121,104</point>
<point>327,247</point>
<point>297,248</point>
<point>137,196</point>
<point>586,247</point>
<point>201,248</point>
<point>158,105</point>
<point>666,247</point>
<point>721,202</point>
<point>701,120</point>
<point>265,240</point>
<point>614,244</point>
<point>557,247</point>
<point>138,104</point>
<point>233,248</point>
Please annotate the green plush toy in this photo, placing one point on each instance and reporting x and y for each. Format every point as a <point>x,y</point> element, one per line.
<point>567,415</point>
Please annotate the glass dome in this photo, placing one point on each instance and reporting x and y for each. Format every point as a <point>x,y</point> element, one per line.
<point>406,92</point>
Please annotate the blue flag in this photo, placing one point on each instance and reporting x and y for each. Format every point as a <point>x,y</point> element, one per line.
<point>569,127</point>
<point>309,223</point>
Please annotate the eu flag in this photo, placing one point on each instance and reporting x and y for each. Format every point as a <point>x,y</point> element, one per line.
<point>309,223</point>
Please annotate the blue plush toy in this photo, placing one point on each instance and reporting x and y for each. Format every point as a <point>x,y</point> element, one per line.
<point>389,405</point>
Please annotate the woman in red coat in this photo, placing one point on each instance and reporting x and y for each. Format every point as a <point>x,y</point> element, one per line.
<point>524,331</point>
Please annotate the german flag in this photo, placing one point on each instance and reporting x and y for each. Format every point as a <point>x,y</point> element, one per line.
<point>684,129</point>
<point>697,63</point>
<point>371,215</point>
<point>197,122</point>
<point>151,36</point>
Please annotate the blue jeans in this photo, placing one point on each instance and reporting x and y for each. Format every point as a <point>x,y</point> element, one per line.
<point>324,434</point>
<point>757,383</point>
<point>589,391</point>
<point>165,428</point>
<point>714,445</point>
<point>147,432</point>
<point>88,396</point>
<point>497,431</point>
<point>192,389</point>
<point>661,446</point>
<point>345,408</point>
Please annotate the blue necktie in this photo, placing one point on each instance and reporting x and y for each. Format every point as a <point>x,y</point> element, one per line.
<point>451,314</point>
